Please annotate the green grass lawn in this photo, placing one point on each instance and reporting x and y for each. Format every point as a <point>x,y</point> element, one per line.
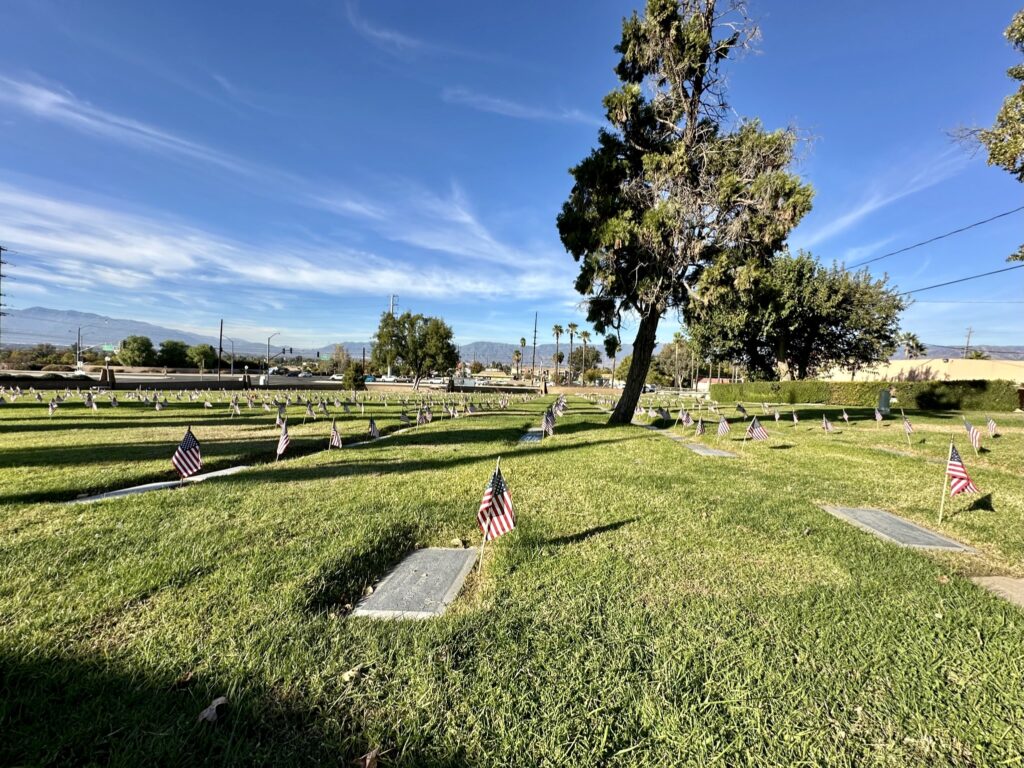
<point>653,607</point>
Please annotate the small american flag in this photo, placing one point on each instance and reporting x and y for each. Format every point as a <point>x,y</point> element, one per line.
<point>496,515</point>
<point>374,432</point>
<point>335,437</point>
<point>421,417</point>
<point>113,402</point>
<point>548,424</point>
<point>846,416</point>
<point>687,419</point>
<point>960,481</point>
<point>741,409</point>
<point>700,427</point>
<point>991,424</point>
<point>878,415</point>
<point>907,426</point>
<point>723,426</point>
<point>53,407</point>
<point>404,418</point>
<point>777,415</point>
<point>279,421</point>
<point>187,459</point>
<point>796,419</point>
<point>755,431</point>
<point>282,443</point>
<point>973,434</point>
<point>309,412</point>
<point>156,405</point>
<point>826,424</point>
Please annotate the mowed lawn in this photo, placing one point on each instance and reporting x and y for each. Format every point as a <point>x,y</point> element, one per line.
<point>653,607</point>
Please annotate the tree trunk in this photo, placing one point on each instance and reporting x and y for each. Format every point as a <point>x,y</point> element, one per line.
<point>643,348</point>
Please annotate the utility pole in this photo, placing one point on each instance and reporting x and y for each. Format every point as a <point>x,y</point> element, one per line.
<point>391,311</point>
<point>220,350</point>
<point>967,344</point>
<point>2,313</point>
<point>533,363</point>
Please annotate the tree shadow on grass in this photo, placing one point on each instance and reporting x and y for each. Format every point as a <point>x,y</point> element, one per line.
<point>783,447</point>
<point>78,710</point>
<point>584,535</point>
<point>342,581</point>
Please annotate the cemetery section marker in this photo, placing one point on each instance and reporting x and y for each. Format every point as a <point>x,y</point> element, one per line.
<point>419,587</point>
<point>895,529</point>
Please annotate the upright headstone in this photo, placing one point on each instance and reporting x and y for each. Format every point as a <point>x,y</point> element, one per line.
<point>884,396</point>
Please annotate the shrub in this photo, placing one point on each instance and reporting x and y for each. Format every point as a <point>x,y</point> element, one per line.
<point>974,395</point>
<point>53,367</point>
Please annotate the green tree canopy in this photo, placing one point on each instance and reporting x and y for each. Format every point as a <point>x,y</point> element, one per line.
<point>677,198</point>
<point>136,350</point>
<point>1004,141</point>
<point>417,344</point>
<point>202,355</point>
<point>173,354</point>
<point>579,363</point>
<point>802,315</point>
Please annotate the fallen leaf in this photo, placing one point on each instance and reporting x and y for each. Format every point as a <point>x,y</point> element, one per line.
<point>369,760</point>
<point>368,591</point>
<point>943,579</point>
<point>353,673</point>
<point>211,713</point>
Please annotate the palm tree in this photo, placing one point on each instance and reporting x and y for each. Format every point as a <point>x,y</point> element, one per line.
<point>912,346</point>
<point>557,331</point>
<point>517,356</point>
<point>572,332</point>
<point>611,348</point>
<point>584,337</point>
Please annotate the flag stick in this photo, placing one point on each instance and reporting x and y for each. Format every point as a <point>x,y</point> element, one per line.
<point>945,480</point>
<point>905,432</point>
<point>487,530</point>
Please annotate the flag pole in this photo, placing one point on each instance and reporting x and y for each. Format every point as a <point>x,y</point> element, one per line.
<point>487,529</point>
<point>905,432</point>
<point>945,480</point>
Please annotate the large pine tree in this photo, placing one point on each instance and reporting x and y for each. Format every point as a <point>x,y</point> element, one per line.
<point>677,197</point>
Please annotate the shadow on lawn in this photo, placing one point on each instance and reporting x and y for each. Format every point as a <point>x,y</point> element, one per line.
<point>343,580</point>
<point>575,538</point>
<point>70,710</point>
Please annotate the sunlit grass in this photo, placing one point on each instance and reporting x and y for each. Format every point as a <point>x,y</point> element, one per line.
<point>653,607</point>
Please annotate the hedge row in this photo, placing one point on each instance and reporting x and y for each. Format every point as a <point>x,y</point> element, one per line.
<point>974,395</point>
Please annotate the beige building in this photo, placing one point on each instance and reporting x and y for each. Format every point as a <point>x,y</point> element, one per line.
<point>935,369</point>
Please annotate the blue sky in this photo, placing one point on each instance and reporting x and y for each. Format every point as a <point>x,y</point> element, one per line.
<point>287,166</point>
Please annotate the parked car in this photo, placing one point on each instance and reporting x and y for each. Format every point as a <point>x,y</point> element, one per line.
<point>305,375</point>
<point>337,377</point>
<point>292,373</point>
<point>388,378</point>
<point>369,378</point>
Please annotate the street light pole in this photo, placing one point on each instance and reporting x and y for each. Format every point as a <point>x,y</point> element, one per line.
<point>271,336</point>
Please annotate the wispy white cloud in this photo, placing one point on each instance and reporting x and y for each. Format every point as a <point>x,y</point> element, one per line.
<point>499,106</point>
<point>891,187</point>
<point>389,39</point>
<point>61,106</point>
<point>82,246</point>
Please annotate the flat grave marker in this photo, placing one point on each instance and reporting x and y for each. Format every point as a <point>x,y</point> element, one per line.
<point>895,529</point>
<point>159,486</point>
<point>1005,587</point>
<point>532,436</point>
<point>706,450</point>
<point>419,587</point>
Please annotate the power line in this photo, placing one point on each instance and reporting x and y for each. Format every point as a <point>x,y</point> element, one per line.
<point>961,280</point>
<point>933,239</point>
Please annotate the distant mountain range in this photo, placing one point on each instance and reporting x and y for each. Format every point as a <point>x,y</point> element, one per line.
<point>37,325</point>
